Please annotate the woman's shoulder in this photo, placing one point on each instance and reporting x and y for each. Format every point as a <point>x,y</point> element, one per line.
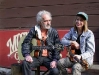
<point>90,31</point>
<point>72,30</point>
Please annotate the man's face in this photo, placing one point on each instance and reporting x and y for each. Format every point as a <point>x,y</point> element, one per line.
<point>46,22</point>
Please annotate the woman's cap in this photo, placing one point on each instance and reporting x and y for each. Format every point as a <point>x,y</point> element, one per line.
<point>84,15</point>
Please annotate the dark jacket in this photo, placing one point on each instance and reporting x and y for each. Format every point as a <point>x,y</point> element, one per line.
<point>52,39</point>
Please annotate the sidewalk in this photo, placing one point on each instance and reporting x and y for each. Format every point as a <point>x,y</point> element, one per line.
<point>5,71</point>
<point>93,71</point>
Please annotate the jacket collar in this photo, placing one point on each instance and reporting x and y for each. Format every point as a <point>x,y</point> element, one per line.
<point>83,34</point>
<point>37,28</point>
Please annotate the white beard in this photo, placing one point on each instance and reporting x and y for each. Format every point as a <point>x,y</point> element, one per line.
<point>46,26</point>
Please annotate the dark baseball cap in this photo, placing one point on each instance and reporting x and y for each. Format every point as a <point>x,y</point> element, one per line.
<point>83,14</point>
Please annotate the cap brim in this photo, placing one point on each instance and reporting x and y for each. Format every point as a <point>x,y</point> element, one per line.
<point>82,16</point>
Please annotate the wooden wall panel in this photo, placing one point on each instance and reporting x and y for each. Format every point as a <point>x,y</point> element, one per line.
<point>58,10</point>
<point>57,22</point>
<point>24,3</point>
<point>68,21</point>
<point>17,22</point>
<point>96,56</point>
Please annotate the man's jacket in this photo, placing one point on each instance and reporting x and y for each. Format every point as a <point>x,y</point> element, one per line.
<point>52,39</point>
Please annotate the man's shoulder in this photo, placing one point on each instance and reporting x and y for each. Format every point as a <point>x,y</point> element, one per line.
<point>32,29</point>
<point>53,29</point>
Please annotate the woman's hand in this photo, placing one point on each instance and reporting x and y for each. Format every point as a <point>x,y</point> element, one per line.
<point>78,56</point>
<point>75,44</point>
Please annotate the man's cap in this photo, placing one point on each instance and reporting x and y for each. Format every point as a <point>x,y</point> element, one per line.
<point>84,15</point>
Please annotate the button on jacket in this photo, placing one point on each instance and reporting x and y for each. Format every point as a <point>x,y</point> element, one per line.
<point>87,44</point>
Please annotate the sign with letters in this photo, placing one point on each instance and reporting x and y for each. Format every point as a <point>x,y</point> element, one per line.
<point>10,42</point>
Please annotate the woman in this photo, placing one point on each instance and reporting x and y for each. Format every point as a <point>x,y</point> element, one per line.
<point>83,41</point>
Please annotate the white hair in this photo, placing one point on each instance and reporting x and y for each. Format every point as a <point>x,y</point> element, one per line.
<point>39,15</point>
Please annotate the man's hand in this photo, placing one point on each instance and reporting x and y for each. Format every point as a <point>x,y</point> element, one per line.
<point>29,58</point>
<point>53,64</point>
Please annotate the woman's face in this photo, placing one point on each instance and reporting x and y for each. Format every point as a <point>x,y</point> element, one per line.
<point>79,22</point>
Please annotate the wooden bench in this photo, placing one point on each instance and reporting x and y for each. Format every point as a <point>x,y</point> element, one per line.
<point>16,67</point>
